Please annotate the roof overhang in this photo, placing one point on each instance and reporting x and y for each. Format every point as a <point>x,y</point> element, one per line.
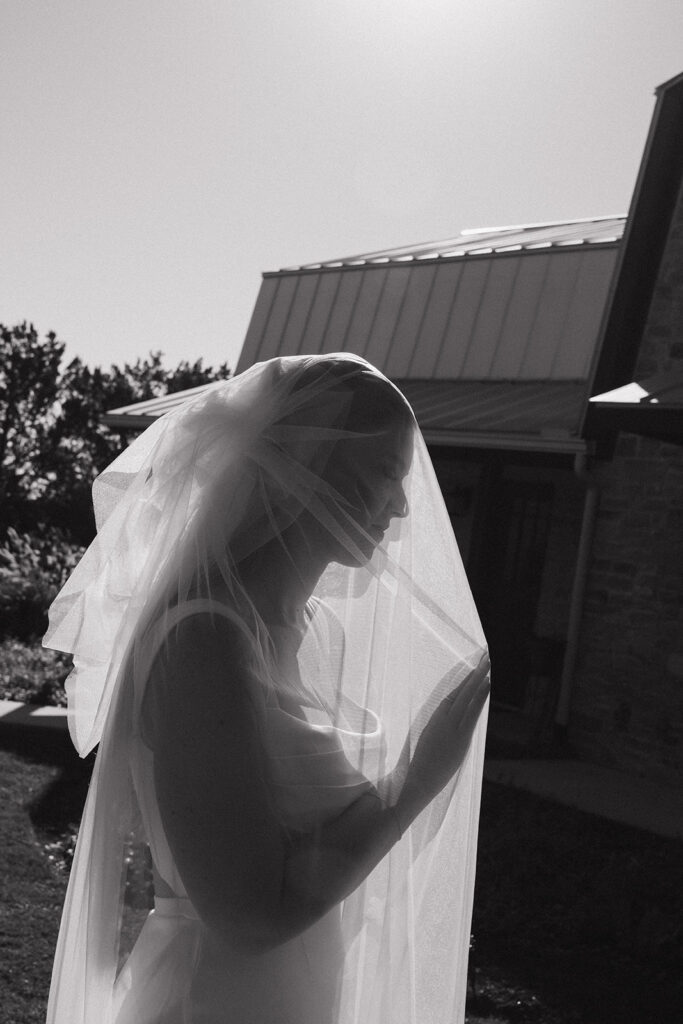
<point>540,416</point>
<point>139,415</point>
<point>652,407</point>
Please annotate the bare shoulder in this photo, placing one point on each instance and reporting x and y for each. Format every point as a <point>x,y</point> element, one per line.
<point>203,682</point>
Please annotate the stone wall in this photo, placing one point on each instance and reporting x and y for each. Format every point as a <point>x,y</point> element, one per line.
<point>627,705</point>
<point>560,557</point>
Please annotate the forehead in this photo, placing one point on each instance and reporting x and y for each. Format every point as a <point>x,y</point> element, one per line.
<point>393,444</point>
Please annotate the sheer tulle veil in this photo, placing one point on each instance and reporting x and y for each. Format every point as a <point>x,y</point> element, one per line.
<point>390,629</point>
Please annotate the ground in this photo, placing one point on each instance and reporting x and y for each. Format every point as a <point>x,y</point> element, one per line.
<point>577,920</point>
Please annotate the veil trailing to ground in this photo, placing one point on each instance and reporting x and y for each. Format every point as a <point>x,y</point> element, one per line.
<point>293,453</point>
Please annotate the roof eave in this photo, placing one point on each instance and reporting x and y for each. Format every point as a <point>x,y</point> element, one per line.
<point>450,438</point>
<point>662,423</point>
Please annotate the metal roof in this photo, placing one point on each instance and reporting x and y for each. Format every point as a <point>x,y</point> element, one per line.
<point>529,314</point>
<point>553,234</point>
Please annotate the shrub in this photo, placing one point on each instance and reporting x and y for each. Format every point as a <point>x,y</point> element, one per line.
<point>31,674</point>
<point>33,568</point>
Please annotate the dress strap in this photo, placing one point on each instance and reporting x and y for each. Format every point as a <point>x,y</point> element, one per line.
<point>195,606</point>
<point>159,632</point>
<point>198,606</point>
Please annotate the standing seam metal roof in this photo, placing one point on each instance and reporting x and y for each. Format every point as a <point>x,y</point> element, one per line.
<point>529,314</point>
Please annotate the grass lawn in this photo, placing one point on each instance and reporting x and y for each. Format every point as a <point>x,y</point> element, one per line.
<point>31,893</point>
<point>577,920</point>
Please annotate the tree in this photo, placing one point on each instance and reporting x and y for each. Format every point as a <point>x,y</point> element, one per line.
<point>29,370</point>
<point>52,441</point>
<point>80,446</point>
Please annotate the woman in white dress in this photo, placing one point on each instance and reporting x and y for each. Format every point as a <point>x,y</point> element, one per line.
<point>276,649</point>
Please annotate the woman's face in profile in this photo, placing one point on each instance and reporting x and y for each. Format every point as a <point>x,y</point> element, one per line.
<point>368,473</point>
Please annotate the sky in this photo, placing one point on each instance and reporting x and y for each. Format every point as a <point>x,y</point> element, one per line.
<point>158,156</point>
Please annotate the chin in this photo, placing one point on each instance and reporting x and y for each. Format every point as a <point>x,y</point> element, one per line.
<point>366,549</point>
<point>352,562</point>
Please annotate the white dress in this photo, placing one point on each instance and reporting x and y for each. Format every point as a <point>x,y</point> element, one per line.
<point>179,972</point>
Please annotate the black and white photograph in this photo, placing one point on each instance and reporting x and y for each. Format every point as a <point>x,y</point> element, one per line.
<point>341,512</point>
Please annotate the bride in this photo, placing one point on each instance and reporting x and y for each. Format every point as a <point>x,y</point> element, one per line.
<point>276,649</point>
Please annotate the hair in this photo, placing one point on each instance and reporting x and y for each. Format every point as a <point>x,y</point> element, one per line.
<point>375,402</point>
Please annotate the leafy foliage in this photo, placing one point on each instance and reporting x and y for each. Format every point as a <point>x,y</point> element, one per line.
<point>32,674</point>
<point>29,389</point>
<point>32,570</point>
<point>52,446</point>
<point>52,439</point>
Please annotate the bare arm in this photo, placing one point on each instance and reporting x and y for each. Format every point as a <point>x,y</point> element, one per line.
<point>248,882</point>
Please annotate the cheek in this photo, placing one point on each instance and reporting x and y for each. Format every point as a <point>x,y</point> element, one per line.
<point>378,496</point>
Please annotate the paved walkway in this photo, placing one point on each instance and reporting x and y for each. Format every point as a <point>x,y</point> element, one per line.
<point>602,791</point>
<point>12,713</point>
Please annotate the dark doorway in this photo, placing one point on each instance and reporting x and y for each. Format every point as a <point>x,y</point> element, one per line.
<point>506,568</point>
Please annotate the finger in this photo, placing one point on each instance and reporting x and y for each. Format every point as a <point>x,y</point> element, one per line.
<point>455,701</point>
<point>482,692</point>
<point>470,715</point>
<point>471,695</point>
<point>481,669</point>
<point>484,664</point>
<point>472,682</point>
<point>462,693</point>
<point>480,680</point>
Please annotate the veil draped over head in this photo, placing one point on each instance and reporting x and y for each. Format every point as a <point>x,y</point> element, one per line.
<point>288,452</point>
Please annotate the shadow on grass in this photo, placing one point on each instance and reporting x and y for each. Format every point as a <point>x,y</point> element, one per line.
<point>56,810</point>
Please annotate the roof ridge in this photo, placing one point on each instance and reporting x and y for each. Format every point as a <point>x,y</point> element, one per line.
<point>581,231</point>
<point>540,224</point>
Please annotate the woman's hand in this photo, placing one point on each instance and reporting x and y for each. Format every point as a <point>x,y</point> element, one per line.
<point>443,743</point>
